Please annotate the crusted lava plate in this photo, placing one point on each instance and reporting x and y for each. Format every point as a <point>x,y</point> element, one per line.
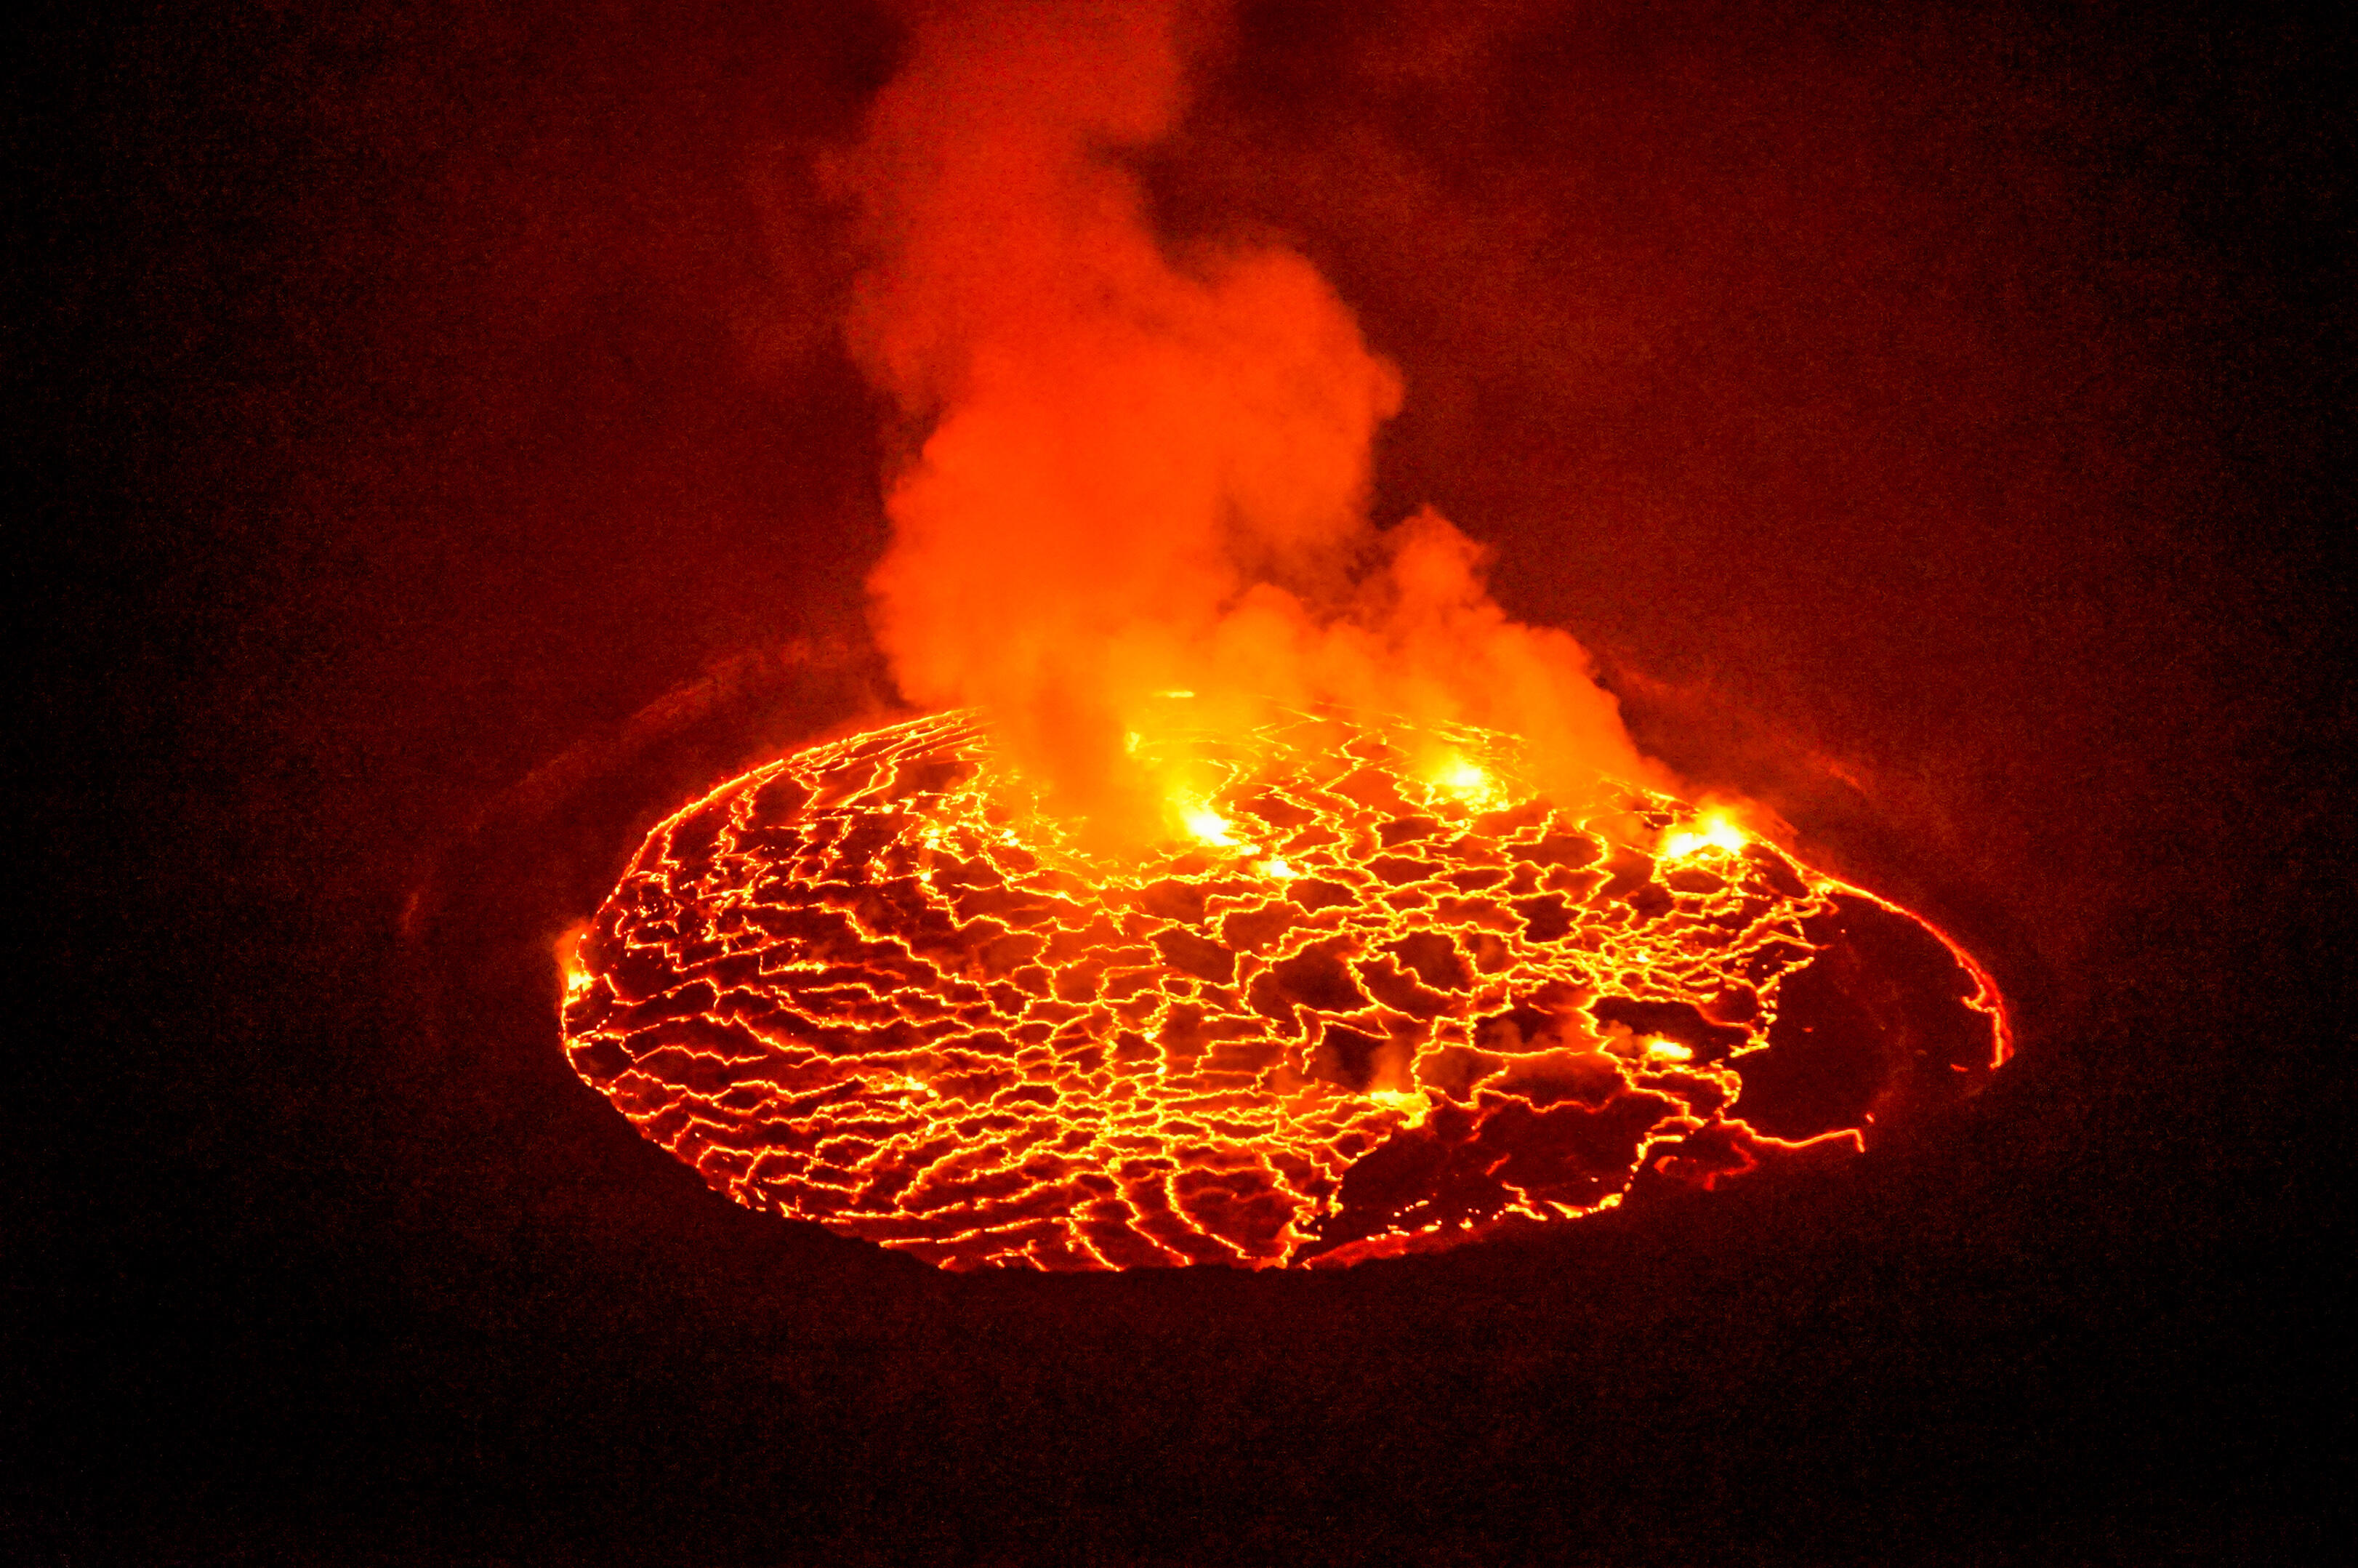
<point>1375,995</point>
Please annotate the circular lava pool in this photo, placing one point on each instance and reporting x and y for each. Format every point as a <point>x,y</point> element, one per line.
<point>1373,995</point>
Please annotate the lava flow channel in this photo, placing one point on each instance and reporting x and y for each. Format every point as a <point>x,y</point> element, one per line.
<point>1375,996</point>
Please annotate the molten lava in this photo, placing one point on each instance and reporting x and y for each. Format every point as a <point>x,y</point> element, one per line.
<point>1373,995</point>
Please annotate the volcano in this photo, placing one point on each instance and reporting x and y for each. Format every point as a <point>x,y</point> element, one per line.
<point>1374,993</point>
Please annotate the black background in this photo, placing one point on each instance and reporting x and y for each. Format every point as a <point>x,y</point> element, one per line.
<point>438,460</point>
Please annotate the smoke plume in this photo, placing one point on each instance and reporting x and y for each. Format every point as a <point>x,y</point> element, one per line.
<point>1142,470</point>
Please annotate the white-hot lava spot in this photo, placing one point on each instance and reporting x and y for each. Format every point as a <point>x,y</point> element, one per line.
<point>1360,1002</point>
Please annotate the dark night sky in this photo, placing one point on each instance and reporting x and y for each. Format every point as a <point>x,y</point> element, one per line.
<point>438,459</point>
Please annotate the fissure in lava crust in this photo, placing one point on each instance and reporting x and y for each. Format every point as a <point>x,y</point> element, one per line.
<point>1379,997</point>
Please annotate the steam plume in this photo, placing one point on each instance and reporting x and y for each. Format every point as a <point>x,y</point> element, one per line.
<point>1140,471</point>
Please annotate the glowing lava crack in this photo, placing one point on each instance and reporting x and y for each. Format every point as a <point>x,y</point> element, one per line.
<point>1377,997</point>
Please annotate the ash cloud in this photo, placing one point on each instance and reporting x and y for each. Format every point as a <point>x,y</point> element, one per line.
<point>1138,468</point>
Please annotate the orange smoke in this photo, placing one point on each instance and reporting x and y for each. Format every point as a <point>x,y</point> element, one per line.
<point>1142,471</point>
